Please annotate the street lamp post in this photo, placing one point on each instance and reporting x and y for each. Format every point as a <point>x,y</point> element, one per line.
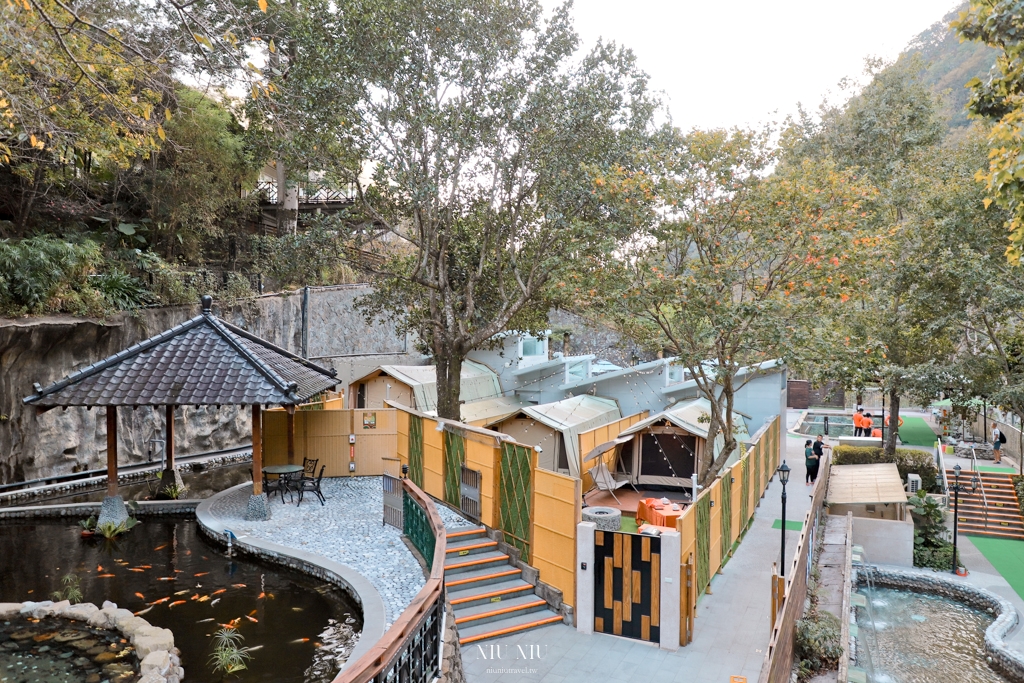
<point>957,487</point>
<point>784,478</point>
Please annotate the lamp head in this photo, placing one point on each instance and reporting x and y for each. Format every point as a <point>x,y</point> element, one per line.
<point>784,473</point>
<point>956,470</point>
<point>975,483</point>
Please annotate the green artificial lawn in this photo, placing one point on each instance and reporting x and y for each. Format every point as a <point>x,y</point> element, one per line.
<point>1007,556</point>
<point>790,525</point>
<point>916,432</point>
<point>628,525</point>
<point>990,468</point>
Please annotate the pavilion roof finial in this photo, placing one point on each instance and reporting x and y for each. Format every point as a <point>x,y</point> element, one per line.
<point>207,301</point>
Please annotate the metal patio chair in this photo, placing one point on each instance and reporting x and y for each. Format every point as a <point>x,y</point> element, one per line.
<point>313,486</point>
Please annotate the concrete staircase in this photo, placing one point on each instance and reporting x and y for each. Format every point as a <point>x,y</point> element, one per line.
<point>488,594</point>
<point>1003,519</point>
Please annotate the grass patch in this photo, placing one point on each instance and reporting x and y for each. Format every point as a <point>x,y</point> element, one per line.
<point>1007,556</point>
<point>790,525</point>
<point>629,525</point>
<point>916,432</point>
<point>991,468</point>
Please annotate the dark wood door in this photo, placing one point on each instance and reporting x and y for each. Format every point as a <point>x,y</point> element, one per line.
<point>627,589</point>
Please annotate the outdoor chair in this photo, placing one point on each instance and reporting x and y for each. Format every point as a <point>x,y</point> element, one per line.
<point>605,480</point>
<point>309,467</point>
<point>313,486</point>
<point>279,486</point>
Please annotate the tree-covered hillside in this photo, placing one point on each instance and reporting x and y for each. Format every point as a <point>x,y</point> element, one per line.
<point>951,64</point>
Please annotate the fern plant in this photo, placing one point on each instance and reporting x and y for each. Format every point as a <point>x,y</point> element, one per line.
<point>228,655</point>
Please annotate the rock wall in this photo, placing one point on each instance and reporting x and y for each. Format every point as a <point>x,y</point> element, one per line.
<point>44,350</point>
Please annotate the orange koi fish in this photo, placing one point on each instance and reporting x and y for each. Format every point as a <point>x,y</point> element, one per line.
<point>226,625</point>
<point>105,576</point>
<point>299,640</point>
<point>252,613</point>
<point>160,547</point>
<point>177,602</point>
<point>238,585</point>
<point>140,596</point>
<point>252,619</point>
<point>202,573</point>
<point>195,597</point>
<point>204,598</point>
<point>261,596</point>
<point>141,612</point>
<point>99,567</point>
<point>182,592</point>
<point>145,566</point>
<point>133,569</point>
<point>188,552</point>
<point>160,601</point>
<point>218,592</point>
<point>167,578</point>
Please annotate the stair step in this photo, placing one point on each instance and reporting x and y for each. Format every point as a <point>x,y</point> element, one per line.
<point>487,612</point>
<point>522,622</point>
<point>455,565</point>
<point>476,532</point>
<point>473,546</point>
<point>482,577</point>
<point>997,534</point>
<point>491,594</point>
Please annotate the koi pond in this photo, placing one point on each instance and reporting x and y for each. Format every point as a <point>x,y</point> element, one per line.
<point>908,637</point>
<point>297,628</point>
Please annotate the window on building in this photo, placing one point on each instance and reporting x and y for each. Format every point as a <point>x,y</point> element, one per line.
<point>533,347</point>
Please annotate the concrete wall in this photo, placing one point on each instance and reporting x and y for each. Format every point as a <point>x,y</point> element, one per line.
<point>884,541</point>
<point>45,350</point>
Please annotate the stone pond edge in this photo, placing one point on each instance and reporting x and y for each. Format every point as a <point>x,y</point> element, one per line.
<point>1003,659</point>
<point>159,660</point>
<point>344,577</point>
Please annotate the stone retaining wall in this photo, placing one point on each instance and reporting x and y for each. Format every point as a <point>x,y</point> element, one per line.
<point>146,508</point>
<point>1008,662</point>
<point>159,660</point>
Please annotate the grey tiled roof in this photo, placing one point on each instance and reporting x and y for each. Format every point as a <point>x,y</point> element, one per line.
<point>204,361</point>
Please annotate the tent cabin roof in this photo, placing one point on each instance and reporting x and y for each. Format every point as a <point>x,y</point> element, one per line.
<point>642,368</point>
<point>489,410</point>
<point>865,484</point>
<point>203,361</point>
<point>766,368</point>
<point>686,416</point>
<point>558,362</point>
<point>478,382</point>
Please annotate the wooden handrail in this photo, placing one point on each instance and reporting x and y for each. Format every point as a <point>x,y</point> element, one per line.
<point>374,661</point>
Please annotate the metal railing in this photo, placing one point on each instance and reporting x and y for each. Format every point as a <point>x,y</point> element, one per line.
<point>410,651</point>
<point>981,483</point>
<point>309,192</point>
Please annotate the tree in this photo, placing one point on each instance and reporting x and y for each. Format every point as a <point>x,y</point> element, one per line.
<point>488,143</point>
<point>739,265</point>
<point>997,99</point>
<point>889,331</point>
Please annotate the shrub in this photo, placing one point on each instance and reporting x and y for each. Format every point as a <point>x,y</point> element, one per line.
<point>817,645</point>
<point>47,274</point>
<point>1018,485</point>
<point>907,461</point>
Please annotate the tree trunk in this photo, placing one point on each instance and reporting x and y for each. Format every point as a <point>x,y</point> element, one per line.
<point>725,420</point>
<point>449,383</point>
<point>287,202</point>
<point>892,431</point>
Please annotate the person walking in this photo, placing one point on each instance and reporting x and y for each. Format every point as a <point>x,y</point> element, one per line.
<point>818,451</point>
<point>811,462</point>
<point>866,425</point>
<point>997,444</point>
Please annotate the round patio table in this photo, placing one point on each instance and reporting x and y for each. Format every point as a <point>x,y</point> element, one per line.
<point>282,469</point>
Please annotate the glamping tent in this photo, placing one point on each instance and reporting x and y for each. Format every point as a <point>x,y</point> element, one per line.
<point>416,386</point>
<point>555,428</point>
<point>663,449</point>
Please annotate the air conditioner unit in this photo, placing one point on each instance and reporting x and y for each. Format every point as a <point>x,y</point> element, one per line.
<point>913,483</point>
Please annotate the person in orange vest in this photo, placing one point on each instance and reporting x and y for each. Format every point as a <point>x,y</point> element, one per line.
<point>858,422</point>
<point>866,423</point>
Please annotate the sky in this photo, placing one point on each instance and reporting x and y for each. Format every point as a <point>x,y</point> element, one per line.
<point>749,62</point>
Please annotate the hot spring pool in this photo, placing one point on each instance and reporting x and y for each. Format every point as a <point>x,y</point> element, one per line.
<point>919,638</point>
<point>301,629</point>
<point>838,425</point>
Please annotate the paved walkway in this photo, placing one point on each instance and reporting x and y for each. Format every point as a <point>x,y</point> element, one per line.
<point>348,529</point>
<point>731,630</point>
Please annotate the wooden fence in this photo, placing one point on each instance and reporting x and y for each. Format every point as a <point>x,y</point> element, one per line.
<point>324,433</point>
<point>556,511</point>
<point>721,514</point>
<point>778,660</point>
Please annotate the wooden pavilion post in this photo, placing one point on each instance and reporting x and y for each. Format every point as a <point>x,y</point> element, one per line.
<point>257,450</point>
<point>291,434</point>
<point>111,451</point>
<point>169,449</point>
<point>258,508</point>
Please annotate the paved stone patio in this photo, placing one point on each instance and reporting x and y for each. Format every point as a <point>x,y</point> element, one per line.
<point>348,529</point>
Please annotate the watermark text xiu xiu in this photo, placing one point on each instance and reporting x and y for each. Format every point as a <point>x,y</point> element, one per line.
<point>499,651</point>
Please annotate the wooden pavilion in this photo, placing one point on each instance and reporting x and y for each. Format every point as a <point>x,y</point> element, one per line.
<point>203,361</point>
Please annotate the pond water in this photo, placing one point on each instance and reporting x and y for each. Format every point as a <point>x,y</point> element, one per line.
<point>838,425</point>
<point>918,638</point>
<point>301,629</point>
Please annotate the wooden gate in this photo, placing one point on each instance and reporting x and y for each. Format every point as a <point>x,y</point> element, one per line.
<point>393,501</point>
<point>627,588</point>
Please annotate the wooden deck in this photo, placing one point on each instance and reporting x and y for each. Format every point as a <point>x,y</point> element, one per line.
<point>630,499</point>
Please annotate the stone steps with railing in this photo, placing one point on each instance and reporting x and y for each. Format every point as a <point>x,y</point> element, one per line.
<point>995,513</point>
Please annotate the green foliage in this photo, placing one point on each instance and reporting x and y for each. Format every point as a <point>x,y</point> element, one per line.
<point>931,549</point>
<point>88,524</point>
<point>113,530</point>
<point>48,275</point>
<point>817,645</point>
<point>315,256</point>
<point>1018,486</point>
<point>174,491</point>
<point>228,655</point>
<point>121,291</point>
<point>939,556</point>
<point>70,589</point>
<point>907,461</point>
